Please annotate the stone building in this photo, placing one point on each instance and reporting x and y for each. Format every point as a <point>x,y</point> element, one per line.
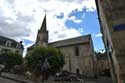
<point>78,52</point>
<point>102,64</point>
<point>7,44</point>
<point>112,20</point>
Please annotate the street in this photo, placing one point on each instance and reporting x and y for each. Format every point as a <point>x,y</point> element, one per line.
<point>13,78</point>
<point>4,80</point>
<point>103,80</point>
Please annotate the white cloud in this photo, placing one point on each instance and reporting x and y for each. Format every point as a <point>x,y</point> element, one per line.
<point>81,30</point>
<point>20,19</point>
<point>83,15</point>
<point>13,29</point>
<point>73,18</point>
<point>64,33</point>
<point>98,35</point>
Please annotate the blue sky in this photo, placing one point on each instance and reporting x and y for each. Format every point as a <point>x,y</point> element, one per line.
<point>65,19</point>
<point>89,23</point>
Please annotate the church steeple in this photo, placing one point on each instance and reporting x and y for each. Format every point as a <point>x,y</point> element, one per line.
<point>43,27</point>
<point>42,36</point>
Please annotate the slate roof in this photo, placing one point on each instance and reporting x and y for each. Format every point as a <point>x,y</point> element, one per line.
<point>72,41</point>
<point>14,43</point>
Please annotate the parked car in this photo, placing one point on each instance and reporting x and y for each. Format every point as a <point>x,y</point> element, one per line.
<point>66,76</point>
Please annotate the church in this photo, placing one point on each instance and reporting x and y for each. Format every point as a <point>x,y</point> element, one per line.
<point>78,51</point>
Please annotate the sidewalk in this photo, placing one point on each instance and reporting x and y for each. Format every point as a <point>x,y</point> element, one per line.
<point>15,77</point>
<point>99,80</point>
<point>5,80</point>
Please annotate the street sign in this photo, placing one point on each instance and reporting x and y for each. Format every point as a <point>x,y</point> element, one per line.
<point>119,27</point>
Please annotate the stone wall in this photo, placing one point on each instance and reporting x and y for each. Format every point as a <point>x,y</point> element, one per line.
<point>82,63</point>
<point>112,14</point>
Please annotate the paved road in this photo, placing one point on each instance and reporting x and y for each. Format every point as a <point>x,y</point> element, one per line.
<point>99,80</point>
<point>20,78</point>
<point>104,80</point>
<point>15,77</point>
<point>4,80</point>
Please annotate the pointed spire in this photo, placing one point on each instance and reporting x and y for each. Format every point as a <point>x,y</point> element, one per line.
<point>43,26</point>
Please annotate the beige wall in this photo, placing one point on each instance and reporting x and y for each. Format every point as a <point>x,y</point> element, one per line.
<point>83,62</point>
<point>12,49</point>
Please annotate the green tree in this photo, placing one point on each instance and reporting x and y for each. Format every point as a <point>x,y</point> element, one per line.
<point>101,56</point>
<point>10,59</point>
<point>56,59</point>
<point>38,56</point>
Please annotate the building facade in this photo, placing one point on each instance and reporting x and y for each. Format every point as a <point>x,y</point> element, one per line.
<point>79,55</point>
<point>112,20</point>
<point>7,44</point>
<point>78,52</point>
<point>102,64</point>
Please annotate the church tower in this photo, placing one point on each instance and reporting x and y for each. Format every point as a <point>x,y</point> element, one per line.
<point>42,36</point>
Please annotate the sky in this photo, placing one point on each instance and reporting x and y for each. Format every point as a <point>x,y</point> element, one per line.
<point>21,19</point>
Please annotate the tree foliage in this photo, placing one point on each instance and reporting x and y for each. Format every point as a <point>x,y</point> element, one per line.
<point>101,56</point>
<point>39,54</point>
<point>10,59</point>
